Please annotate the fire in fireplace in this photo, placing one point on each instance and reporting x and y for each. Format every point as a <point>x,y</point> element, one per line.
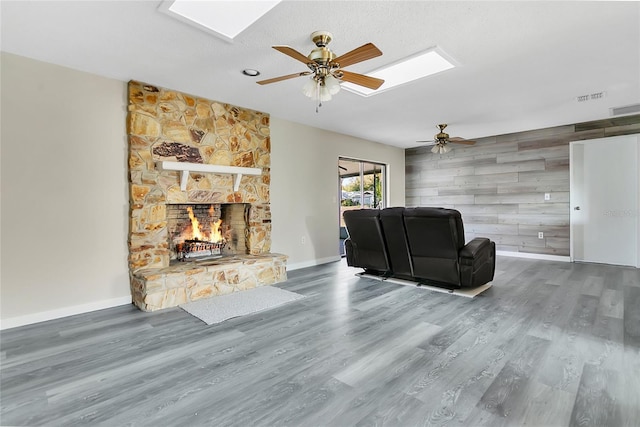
<point>195,242</point>
<point>199,240</point>
<point>198,231</point>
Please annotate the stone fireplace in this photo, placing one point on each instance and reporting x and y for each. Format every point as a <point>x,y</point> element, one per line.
<point>186,151</point>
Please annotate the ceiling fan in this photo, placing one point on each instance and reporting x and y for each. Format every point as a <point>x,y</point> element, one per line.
<point>441,139</point>
<point>326,69</point>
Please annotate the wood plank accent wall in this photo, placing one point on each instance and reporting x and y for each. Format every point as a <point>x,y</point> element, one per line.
<point>499,184</point>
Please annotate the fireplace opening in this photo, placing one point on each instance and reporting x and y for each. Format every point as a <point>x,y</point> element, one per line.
<point>206,231</point>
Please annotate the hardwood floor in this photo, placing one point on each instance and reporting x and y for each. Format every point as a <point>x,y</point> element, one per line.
<point>551,344</point>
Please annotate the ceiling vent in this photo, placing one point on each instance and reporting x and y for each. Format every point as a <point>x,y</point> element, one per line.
<point>591,96</point>
<point>629,109</point>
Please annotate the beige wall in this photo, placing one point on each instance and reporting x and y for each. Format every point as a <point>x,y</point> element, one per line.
<point>63,132</point>
<point>304,187</point>
<point>64,191</point>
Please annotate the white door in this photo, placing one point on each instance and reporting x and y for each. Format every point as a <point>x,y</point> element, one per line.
<point>604,200</point>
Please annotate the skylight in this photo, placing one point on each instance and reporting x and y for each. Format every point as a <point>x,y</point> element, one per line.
<point>407,70</point>
<point>224,19</point>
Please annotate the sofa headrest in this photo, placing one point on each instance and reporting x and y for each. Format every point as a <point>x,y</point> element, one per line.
<point>450,219</point>
<point>361,213</point>
<point>433,212</point>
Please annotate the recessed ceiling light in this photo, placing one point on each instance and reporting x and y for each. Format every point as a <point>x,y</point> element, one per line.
<point>407,70</point>
<point>250,72</point>
<point>224,19</point>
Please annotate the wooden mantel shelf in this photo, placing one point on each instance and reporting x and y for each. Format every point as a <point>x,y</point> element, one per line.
<point>186,168</point>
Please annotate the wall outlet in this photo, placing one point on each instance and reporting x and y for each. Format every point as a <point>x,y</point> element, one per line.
<point>303,240</point>
<point>540,235</point>
<point>547,196</point>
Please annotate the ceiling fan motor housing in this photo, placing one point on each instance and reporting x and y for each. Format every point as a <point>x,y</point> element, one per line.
<point>321,55</point>
<point>441,136</point>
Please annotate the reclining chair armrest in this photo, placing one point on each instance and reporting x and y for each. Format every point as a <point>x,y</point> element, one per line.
<point>477,262</point>
<point>350,252</point>
<point>475,248</point>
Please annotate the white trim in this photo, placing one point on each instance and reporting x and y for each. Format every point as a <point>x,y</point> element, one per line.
<point>534,256</point>
<point>312,263</point>
<point>572,204</point>
<point>43,316</point>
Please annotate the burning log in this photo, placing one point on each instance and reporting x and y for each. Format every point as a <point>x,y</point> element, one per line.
<point>190,249</point>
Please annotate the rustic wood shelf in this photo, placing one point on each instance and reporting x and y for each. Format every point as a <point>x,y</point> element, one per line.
<point>186,168</point>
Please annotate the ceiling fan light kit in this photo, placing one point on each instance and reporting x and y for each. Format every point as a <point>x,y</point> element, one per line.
<point>440,149</point>
<point>321,89</point>
<point>326,68</point>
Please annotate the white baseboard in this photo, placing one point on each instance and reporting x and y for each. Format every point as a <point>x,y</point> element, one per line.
<point>535,256</point>
<point>312,263</point>
<point>43,316</point>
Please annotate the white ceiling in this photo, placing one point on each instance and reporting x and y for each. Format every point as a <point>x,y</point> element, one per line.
<point>521,64</point>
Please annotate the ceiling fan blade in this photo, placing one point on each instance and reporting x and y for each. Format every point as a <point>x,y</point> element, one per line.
<point>461,141</point>
<point>359,54</point>
<point>279,79</point>
<point>287,50</point>
<point>361,80</point>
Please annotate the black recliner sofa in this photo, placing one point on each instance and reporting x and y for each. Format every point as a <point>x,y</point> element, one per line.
<point>424,245</point>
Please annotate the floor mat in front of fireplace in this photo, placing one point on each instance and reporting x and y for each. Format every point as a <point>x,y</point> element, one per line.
<point>220,308</point>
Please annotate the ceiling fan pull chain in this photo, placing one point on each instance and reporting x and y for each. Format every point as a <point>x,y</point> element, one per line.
<point>318,95</point>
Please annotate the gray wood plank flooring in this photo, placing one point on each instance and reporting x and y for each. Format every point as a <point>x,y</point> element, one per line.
<point>551,344</point>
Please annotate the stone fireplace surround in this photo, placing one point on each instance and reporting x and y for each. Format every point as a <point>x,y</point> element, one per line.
<point>166,125</point>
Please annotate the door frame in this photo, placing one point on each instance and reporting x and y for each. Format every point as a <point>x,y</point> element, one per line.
<point>573,166</point>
